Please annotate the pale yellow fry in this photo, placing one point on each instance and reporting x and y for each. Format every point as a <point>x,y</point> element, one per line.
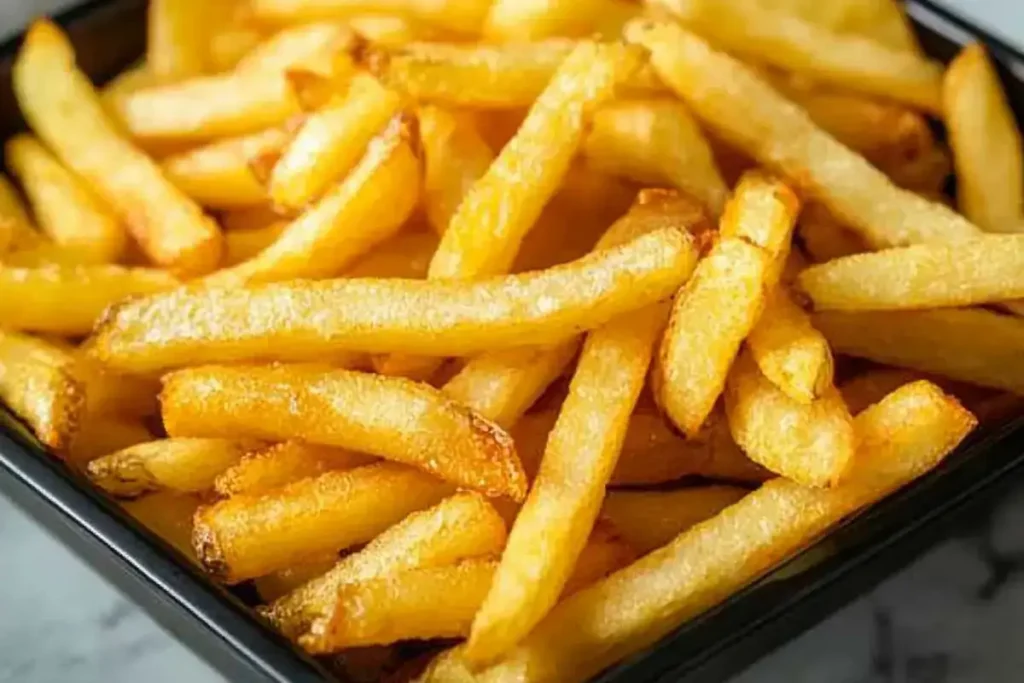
<point>169,516</point>
<point>39,385</point>
<point>270,468</point>
<point>719,306</point>
<point>242,245</point>
<point>901,438</point>
<point>69,300</point>
<point>793,355</point>
<point>763,33</point>
<point>16,229</point>
<point>986,143</point>
<point>101,435</point>
<point>533,19</point>
<point>248,536</point>
<point>460,527</point>
<point>177,36</point>
<point>461,16</point>
<point>881,20</point>
<point>656,142</point>
<point>393,418</point>
<point>966,344</point>
<point>66,209</point>
<point>218,174</point>
<point>305,320</point>
<point>987,269</point>
<point>282,582</point>
<point>824,238</point>
<point>748,113</point>
<point>63,109</point>
<point>406,255</point>
<point>331,142</point>
<point>184,465</point>
<point>650,519</point>
<point>455,157</point>
<point>810,443</point>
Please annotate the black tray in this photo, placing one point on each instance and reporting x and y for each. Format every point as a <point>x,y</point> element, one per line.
<point>219,627</point>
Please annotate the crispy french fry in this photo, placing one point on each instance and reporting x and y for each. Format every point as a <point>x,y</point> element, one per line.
<point>243,245</point>
<point>176,38</point>
<point>62,108</point>
<point>793,355</point>
<point>747,112</point>
<point>247,536</point>
<point>986,143</point>
<point>65,208</point>
<point>455,157</point>
<point>881,20</point>
<point>169,516</point>
<point>69,300</point>
<point>282,582</point>
<point>218,174</point>
<point>762,33</point>
<point>533,19</point>
<point>983,270</point>
<point>271,468</point>
<point>16,229</point>
<point>464,17</point>
<point>331,142</point>
<point>38,384</point>
<point>100,435</point>
<point>437,318</point>
<point>719,306</point>
<point>872,386</point>
<point>656,142</point>
<point>362,211</point>
<point>966,344</point>
<point>824,238</point>
<point>902,437</point>
<point>460,527</point>
<point>650,519</point>
<point>810,443</point>
<point>321,405</point>
<point>406,255</point>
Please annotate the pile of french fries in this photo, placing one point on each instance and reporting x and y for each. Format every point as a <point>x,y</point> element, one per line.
<point>507,321</point>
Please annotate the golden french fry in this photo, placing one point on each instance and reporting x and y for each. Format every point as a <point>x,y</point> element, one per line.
<point>394,31</point>
<point>406,255</point>
<point>62,108</point>
<point>251,217</point>
<point>363,210</point>
<point>901,438</point>
<point>304,321</point>
<point>650,519</point>
<point>176,38</point>
<point>455,157</point>
<point>65,208</point>
<point>810,443</point>
<point>986,143</point>
<point>791,354</point>
<point>463,17</point>
<point>282,582</point>
<point>39,385</point>
<point>824,238</point>
<point>321,405</point>
<point>302,44</point>
<point>331,142</point>
<point>987,269</point>
<point>232,43</point>
<point>881,20</point>
<point>112,393</point>
<point>16,229</point>
<point>748,113</point>
<point>966,344</point>
<point>460,527</point>
<point>606,551</point>
<point>243,245</point>
<point>169,516</point>
<point>128,81</point>
<point>184,465</point>
<point>719,306</point>
<point>872,386</point>
<point>264,470</point>
<point>538,19</point>
<point>100,435</point>
<point>656,142</point>
<point>243,537</point>
<point>218,174</point>
<point>69,300</point>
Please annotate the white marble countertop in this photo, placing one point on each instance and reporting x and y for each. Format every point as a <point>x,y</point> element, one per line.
<point>955,616</point>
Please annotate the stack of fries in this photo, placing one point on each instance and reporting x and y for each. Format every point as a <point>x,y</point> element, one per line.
<point>422,285</point>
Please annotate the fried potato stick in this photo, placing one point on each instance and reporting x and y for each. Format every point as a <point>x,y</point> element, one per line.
<point>266,469</point>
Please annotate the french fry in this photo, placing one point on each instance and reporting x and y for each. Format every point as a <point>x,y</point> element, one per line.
<point>986,143</point>
<point>271,468</point>
<point>65,209</point>
<point>901,438</point>
<point>406,255</point>
<point>243,537</point>
<point>112,393</point>
<point>251,217</point>
<point>298,45</point>
<point>455,158</point>
<point>464,17</point>
<point>16,229</point>
<point>218,174</point>
<point>651,519</point>
<point>331,141</point>
<point>363,210</point>
<point>824,238</point>
<point>765,34</point>
<point>176,38</point>
<point>750,115</point>
<point>100,435</point>
<point>872,386</point>
<point>128,81</point>
<point>965,344</point>
<point>69,300</point>
<point>183,465</point>
<point>437,318</point>
<point>169,516</point>
<point>62,108</point>
<point>720,305</point>
<point>394,31</point>
<point>243,245</point>
<point>809,443</point>
<point>926,175</point>
<point>460,527</point>
<point>534,19</point>
<point>38,384</point>
<point>606,551</point>
<point>881,20</point>
<point>656,142</point>
<point>282,582</point>
<point>321,405</point>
